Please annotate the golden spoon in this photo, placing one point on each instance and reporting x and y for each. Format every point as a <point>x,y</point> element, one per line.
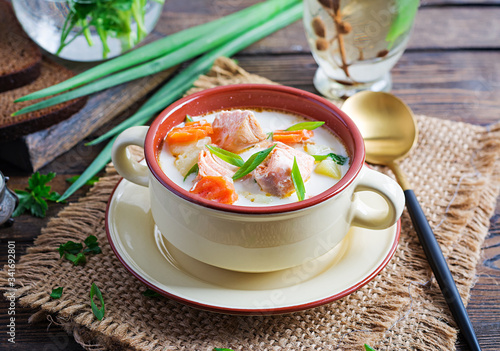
<point>388,127</point>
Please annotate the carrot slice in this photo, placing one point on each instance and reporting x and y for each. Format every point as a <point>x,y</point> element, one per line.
<point>192,131</point>
<point>292,137</point>
<point>219,189</point>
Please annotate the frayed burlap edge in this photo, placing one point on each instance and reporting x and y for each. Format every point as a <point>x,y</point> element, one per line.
<point>37,264</point>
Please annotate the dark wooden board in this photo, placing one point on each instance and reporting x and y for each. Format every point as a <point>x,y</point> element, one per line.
<point>457,85</point>
<point>35,150</point>
<point>463,27</point>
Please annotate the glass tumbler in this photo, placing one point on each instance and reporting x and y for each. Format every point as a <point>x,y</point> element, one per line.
<point>87,30</point>
<point>357,42</point>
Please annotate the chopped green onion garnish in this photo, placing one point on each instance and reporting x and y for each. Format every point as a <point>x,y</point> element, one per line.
<point>369,348</point>
<point>227,156</point>
<point>298,183</point>
<point>91,181</point>
<point>305,125</point>
<point>192,170</point>
<point>76,260</point>
<point>252,163</point>
<point>189,119</point>
<point>339,159</point>
<point>98,313</point>
<point>56,293</point>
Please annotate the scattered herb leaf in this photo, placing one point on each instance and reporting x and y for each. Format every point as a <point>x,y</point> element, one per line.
<point>150,293</point>
<point>305,125</point>
<point>70,247</point>
<point>98,313</point>
<point>192,170</point>
<point>221,349</point>
<point>252,162</point>
<point>76,260</point>
<point>369,348</point>
<point>91,181</point>
<point>56,293</point>
<point>189,118</point>
<point>339,159</point>
<point>227,156</point>
<point>34,199</point>
<point>298,183</point>
<point>92,245</point>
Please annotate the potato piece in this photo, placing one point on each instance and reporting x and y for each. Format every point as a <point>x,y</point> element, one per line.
<point>185,160</point>
<point>314,149</point>
<point>329,168</point>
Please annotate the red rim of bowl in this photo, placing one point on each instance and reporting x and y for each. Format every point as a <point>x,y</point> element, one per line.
<point>249,311</point>
<point>197,104</point>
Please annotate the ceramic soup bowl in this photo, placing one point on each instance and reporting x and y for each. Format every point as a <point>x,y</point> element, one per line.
<point>262,238</point>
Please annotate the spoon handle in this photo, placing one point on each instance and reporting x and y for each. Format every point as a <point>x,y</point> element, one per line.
<point>440,269</point>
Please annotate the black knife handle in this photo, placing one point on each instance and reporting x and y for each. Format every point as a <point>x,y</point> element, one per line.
<point>440,269</point>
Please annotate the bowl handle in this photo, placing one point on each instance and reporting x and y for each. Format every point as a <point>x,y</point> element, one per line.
<point>369,217</point>
<point>128,168</point>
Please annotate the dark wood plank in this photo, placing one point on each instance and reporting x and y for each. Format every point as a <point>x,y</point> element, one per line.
<point>462,27</point>
<point>454,85</point>
<point>458,2</point>
<point>471,27</point>
<point>38,336</point>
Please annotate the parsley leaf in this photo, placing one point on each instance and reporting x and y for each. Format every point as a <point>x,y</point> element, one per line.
<point>72,251</point>
<point>70,247</point>
<point>98,312</point>
<point>56,293</point>
<point>92,245</point>
<point>339,159</point>
<point>33,199</point>
<point>369,348</point>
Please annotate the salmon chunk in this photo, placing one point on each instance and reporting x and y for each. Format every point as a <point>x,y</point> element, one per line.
<point>236,130</point>
<point>274,175</point>
<point>211,165</point>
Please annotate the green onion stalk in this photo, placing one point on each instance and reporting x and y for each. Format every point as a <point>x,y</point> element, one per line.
<point>176,87</point>
<point>218,37</point>
<point>142,54</point>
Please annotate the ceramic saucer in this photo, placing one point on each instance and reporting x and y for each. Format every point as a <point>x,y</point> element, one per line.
<point>144,252</point>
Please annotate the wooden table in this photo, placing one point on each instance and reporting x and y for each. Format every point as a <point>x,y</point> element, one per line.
<point>450,70</point>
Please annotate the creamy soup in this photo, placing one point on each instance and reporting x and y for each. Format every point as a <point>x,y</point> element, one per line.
<point>248,190</point>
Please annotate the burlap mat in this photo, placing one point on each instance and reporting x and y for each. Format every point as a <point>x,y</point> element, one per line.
<point>456,175</point>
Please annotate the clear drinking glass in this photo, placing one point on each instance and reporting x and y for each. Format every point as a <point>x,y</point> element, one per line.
<point>357,42</point>
<point>87,30</point>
